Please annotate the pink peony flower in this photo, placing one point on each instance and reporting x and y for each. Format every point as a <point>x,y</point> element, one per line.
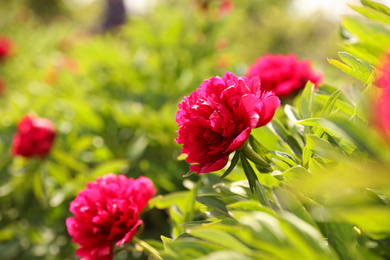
<point>218,117</point>
<point>106,213</point>
<point>5,47</point>
<point>34,137</point>
<point>284,75</point>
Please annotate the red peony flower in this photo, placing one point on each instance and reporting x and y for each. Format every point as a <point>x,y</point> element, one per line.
<point>284,75</point>
<point>34,137</point>
<point>218,117</point>
<point>5,47</point>
<point>106,213</point>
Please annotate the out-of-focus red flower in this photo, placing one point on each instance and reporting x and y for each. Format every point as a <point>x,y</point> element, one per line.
<point>381,106</point>
<point>106,213</point>
<point>218,117</point>
<point>5,47</point>
<point>383,81</point>
<point>215,8</point>
<point>284,75</point>
<point>34,137</point>
<point>226,7</point>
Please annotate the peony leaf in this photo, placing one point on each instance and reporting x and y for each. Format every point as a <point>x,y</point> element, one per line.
<point>360,69</point>
<point>376,6</point>
<point>250,174</point>
<point>221,238</point>
<point>257,146</point>
<point>366,31</point>
<point>289,202</point>
<point>372,14</point>
<point>307,100</point>
<point>328,107</point>
<point>281,131</point>
<point>213,202</point>
<point>232,165</point>
<point>343,238</point>
<point>254,157</point>
<point>262,195</point>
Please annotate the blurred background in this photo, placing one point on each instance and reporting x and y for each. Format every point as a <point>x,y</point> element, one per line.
<point>109,74</point>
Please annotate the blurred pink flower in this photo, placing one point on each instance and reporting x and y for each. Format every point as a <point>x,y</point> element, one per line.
<point>226,7</point>
<point>383,81</point>
<point>218,117</point>
<point>381,113</point>
<point>34,137</point>
<point>284,75</point>
<point>106,213</point>
<point>5,47</point>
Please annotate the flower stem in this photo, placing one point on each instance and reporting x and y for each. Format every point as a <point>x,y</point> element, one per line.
<point>151,250</point>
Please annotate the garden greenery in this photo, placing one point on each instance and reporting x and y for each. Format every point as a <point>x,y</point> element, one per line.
<point>301,176</point>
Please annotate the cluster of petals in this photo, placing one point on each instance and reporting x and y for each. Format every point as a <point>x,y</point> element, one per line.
<point>5,47</point>
<point>106,214</point>
<point>34,137</point>
<point>284,75</point>
<point>218,117</point>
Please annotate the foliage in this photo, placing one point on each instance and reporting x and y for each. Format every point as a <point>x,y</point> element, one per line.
<point>318,173</point>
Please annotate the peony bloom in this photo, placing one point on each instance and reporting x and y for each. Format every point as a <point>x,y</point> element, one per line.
<point>5,47</point>
<point>218,117</point>
<point>106,213</point>
<point>284,75</point>
<point>34,137</point>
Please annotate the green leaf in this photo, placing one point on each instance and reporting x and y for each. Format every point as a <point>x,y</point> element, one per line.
<point>257,146</point>
<point>188,248</point>
<point>342,238</point>
<point>366,31</point>
<point>294,173</point>
<point>290,140</point>
<point>262,195</point>
<point>372,14</point>
<point>355,67</point>
<point>254,157</point>
<point>307,100</point>
<point>213,202</point>
<point>289,202</point>
<point>306,155</point>
<point>376,6</point>
<point>163,202</point>
<point>220,238</point>
<point>329,105</point>
<point>333,130</point>
<point>245,206</point>
<point>232,165</point>
<point>250,174</point>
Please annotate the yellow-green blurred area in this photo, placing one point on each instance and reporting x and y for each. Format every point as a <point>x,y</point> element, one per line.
<point>112,92</point>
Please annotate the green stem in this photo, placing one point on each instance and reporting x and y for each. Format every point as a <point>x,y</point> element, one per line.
<point>151,250</point>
